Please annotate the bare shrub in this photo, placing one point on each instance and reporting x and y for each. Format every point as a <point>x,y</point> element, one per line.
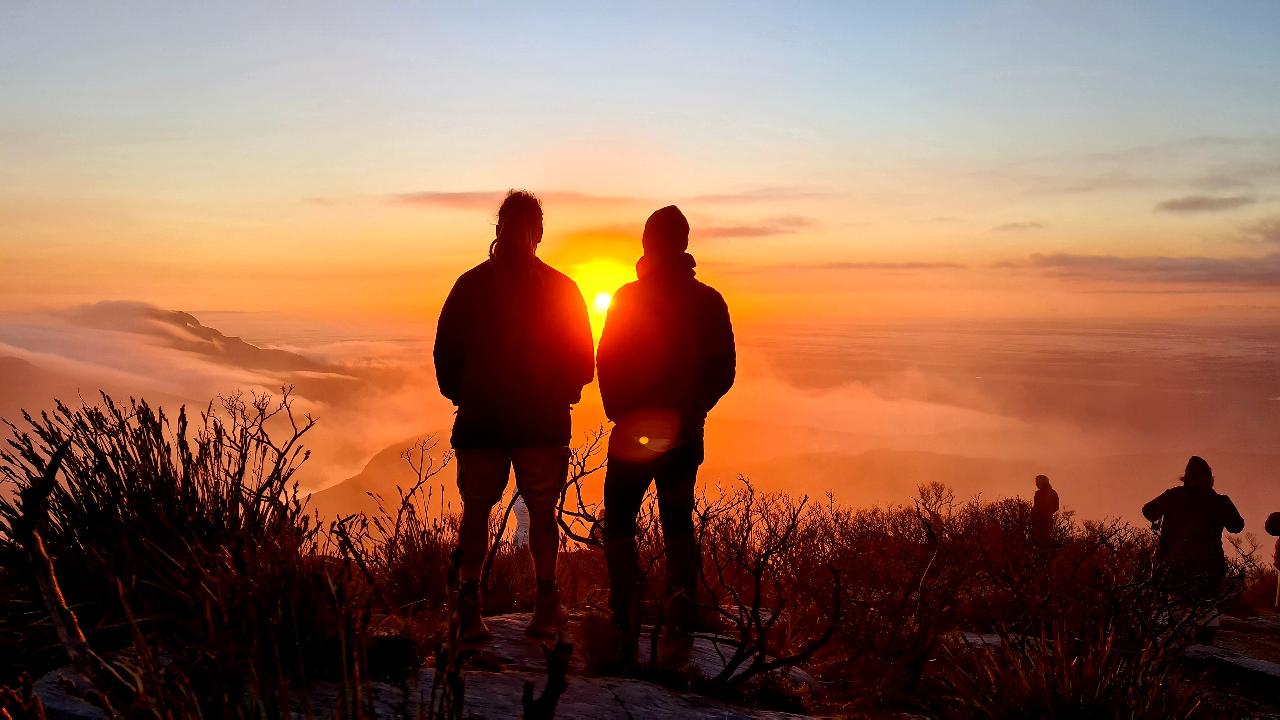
<point>189,544</point>
<point>190,562</point>
<point>754,550</point>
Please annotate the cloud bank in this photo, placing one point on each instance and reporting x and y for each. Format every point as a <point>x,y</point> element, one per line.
<point>366,393</point>
<point>1261,271</point>
<point>1018,227</point>
<point>1204,203</point>
<point>489,199</point>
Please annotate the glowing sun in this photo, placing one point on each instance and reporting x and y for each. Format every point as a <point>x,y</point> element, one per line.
<point>598,280</point>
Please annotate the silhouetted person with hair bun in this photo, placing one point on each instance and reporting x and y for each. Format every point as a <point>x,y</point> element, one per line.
<point>666,357</point>
<point>1191,519</point>
<point>513,351</point>
<point>1043,508</point>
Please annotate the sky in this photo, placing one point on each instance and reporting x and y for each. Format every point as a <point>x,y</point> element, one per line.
<point>836,159</point>
<point>960,241</point>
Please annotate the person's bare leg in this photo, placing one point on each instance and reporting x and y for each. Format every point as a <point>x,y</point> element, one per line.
<point>544,538</point>
<point>482,476</point>
<point>540,475</point>
<point>473,538</point>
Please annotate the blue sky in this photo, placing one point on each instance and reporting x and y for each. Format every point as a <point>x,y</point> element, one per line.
<point>947,131</point>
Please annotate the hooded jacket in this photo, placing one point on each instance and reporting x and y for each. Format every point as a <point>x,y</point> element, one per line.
<point>667,345</point>
<point>513,351</point>
<point>1044,505</point>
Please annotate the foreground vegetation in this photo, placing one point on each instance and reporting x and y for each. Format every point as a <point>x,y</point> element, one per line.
<point>172,562</point>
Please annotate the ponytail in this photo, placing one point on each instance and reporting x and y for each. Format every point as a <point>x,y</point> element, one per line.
<point>518,215</point>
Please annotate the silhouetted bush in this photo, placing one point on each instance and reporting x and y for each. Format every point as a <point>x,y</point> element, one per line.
<point>193,566</point>
<point>189,548</point>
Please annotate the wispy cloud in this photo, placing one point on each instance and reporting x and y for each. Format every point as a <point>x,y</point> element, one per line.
<point>1205,163</point>
<point>1059,180</point>
<point>1018,227</point>
<point>1204,203</point>
<point>835,266</point>
<point>1266,230</point>
<point>1243,174</point>
<point>758,195</point>
<point>1261,271</point>
<point>623,239</point>
<point>1105,181</point>
<point>1217,181</point>
<point>489,199</point>
<point>785,225</point>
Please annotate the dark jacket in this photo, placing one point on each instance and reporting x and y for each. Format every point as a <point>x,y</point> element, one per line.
<point>667,345</point>
<point>513,351</point>
<point>1043,508</point>
<point>1192,520</point>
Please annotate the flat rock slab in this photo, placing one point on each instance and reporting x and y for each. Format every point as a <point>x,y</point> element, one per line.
<point>514,649</point>
<point>1249,646</point>
<point>1257,637</point>
<point>1260,669</point>
<point>488,695</point>
<point>61,692</point>
<point>498,695</point>
<point>510,659</point>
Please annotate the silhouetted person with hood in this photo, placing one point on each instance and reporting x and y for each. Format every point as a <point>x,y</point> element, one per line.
<point>1043,508</point>
<point>1191,519</point>
<point>666,357</point>
<point>513,351</point>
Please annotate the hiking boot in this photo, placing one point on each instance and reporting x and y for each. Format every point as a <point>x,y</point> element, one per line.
<point>471,627</point>
<point>547,617</point>
<point>675,650</point>
<point>616,647</point>
<point>626,625</point>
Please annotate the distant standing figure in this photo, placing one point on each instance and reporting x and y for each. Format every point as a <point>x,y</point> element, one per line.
<point>513,351</point>
<point>666,357</point>
<point>1191,519</point>
<point>1043,508</point>
<point>521,511</point>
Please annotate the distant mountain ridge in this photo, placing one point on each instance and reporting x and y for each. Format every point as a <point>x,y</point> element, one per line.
<point>183,331</point>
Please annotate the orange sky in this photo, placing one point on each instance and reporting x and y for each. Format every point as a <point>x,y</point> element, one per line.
<point>836,162</point>
<point>851,172</point>
<point>777,257</point>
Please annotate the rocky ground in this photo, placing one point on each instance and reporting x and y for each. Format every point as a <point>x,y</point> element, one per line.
<point>1243,654</point>
<point>510,659</point>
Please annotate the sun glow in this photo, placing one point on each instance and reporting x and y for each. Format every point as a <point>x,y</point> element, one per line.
<point>598,280</point>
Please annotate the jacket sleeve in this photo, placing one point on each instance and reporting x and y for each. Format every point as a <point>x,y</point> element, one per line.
<point>722,359</point>
<point>1045,501</point>
<point>450,344</point>
<point>608,359</point>
<point>1155,509</point>
<point>1231,519</point>
<point>580,367</point>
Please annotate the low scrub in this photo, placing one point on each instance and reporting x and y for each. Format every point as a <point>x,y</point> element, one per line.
<point>189,578</point>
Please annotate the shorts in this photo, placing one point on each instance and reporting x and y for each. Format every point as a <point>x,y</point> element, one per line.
<point>540,474</point>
